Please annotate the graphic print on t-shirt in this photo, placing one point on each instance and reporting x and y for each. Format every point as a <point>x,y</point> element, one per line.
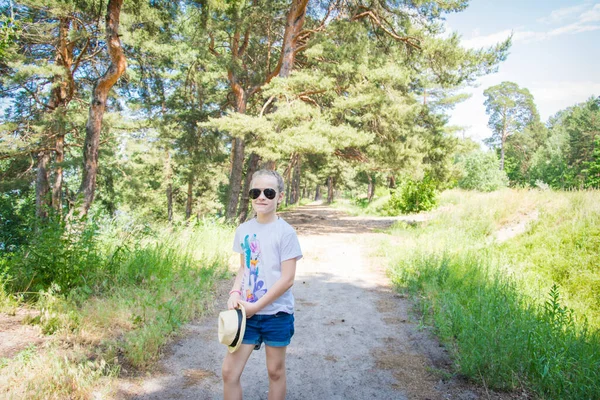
<point>254,285</point>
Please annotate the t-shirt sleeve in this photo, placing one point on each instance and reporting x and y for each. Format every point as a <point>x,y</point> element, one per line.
<point>237,241</point>
<point>290,247</point>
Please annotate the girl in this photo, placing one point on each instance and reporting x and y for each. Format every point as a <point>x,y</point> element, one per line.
<point>269,249</point>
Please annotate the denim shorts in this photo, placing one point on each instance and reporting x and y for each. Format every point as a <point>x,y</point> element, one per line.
<point>274,330</point>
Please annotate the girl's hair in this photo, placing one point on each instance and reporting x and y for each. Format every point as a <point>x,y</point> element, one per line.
<point>274,174</point>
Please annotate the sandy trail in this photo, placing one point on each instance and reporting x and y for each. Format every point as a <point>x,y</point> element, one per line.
<point>354,336</point>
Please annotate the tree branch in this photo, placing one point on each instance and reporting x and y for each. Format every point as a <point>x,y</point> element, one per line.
<point>409,40</point>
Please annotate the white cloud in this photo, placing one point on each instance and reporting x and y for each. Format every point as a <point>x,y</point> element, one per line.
<point>477,42</point>
<point>576,27</point>
<point>561,14</point>
<point>586,22</point>
<point>551,97</point>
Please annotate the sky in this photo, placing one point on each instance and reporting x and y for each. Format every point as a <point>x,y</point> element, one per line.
<point>555,54</point>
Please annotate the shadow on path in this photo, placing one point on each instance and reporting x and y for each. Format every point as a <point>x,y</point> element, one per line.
<point>324,220</point>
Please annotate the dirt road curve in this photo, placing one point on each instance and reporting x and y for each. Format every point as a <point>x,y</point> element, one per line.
<point>354,336</point>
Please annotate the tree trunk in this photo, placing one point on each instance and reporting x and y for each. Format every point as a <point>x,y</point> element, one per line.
<point>252,167</point>
<point>189,202</point>
<point>41,185</point>
<point>269,165</point>
<point>288,191</point>
<point>370,188</point>
<point>293,27</point>
<point>318,193</point>
<point>238,146</point>
<point>170,202</point>
<point>330,190</point>
<point>502,153</point>
<point>392,182</point>
<point>61,95</point>
<point>58,177</point>
<point>98,104</point>
<point>295,188</point>
<point>169,191</point>
<point>235,179</point>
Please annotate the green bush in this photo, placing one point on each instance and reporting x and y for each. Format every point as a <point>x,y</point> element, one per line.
<point>481,172</point>
<point>412,197</point>
<point>65,256</point>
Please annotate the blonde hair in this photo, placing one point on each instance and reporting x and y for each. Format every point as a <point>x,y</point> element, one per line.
<point>274,174</point>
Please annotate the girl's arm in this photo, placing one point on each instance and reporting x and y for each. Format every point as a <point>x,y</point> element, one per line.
<point>236,297</point>
<point>288,273</point>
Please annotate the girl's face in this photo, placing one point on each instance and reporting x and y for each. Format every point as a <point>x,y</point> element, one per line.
<point>262,204</point>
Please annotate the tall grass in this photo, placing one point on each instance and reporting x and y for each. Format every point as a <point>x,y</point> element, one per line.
<point>499,307</point>
<point>145,284</point>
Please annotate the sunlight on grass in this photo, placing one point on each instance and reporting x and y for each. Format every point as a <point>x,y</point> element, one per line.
<point>150,284</point>
<point>523,313</point>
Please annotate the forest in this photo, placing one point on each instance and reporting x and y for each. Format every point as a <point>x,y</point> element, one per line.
<point>129,131</point>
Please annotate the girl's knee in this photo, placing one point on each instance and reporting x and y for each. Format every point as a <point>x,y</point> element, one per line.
<point>230,373</point>
<point>276,371</point>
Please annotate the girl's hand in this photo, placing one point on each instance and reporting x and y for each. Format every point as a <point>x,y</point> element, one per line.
<point>234,301</point>
<point>251,308</point>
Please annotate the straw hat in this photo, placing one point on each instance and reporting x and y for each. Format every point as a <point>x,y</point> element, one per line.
<point>232,325</point>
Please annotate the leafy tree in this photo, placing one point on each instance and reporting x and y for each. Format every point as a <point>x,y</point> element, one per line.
<point>511,109</point>
<point>520,150</point>
<point>582,124</point>
<point>42,73</point>
<point>549,162</point>
<point>565,159</point>
<point>593,167</point>
<point>481,172</point>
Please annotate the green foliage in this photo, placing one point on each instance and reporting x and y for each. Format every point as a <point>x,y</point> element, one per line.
<point>592,167</point>
<point>481,172</point>
<point>566,157</point>
<point>9,33</point>
<point>520,151</point>
<point>488,301</point>
<point>562,247</point>
<point>511,109</point>
<point>549,163</point>
<point>65,256</point>
<point>8,302</point>
<point>496,334</point>
<point>152,281</point>
<point>16,220</point>
<point>412,197</point>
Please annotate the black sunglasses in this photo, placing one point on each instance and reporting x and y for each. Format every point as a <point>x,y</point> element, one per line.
<point>269,193</point>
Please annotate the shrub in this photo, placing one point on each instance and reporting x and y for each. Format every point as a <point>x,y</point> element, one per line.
<point>65,256</point>
<point>412,197</point>
<point>481,172</point>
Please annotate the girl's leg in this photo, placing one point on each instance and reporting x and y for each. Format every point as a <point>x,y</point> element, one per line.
<point>276,369</point>
<point>232,369</point>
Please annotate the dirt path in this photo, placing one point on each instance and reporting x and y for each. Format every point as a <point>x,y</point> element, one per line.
<point>355,338</point>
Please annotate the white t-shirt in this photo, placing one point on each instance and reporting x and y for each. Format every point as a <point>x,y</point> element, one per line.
<point>265,247</point>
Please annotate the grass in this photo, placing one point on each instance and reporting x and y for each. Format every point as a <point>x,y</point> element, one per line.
<point>517,314</point>
<point>146,286</point>
<point>360,205</point>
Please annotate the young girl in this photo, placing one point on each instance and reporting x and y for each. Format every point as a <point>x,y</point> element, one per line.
<point>269,249</point>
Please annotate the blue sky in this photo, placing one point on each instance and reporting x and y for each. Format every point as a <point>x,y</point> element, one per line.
<point>555,53</point>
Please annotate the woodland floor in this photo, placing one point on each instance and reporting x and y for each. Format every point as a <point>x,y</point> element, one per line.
<point>356,338</point>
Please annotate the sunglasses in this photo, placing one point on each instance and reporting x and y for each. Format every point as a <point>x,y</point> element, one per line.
<point>269,193</point>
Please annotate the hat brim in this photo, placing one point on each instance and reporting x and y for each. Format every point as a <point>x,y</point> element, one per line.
<point>232,349</point>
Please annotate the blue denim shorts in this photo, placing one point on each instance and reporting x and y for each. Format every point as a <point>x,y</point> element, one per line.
<point>274,330</point>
